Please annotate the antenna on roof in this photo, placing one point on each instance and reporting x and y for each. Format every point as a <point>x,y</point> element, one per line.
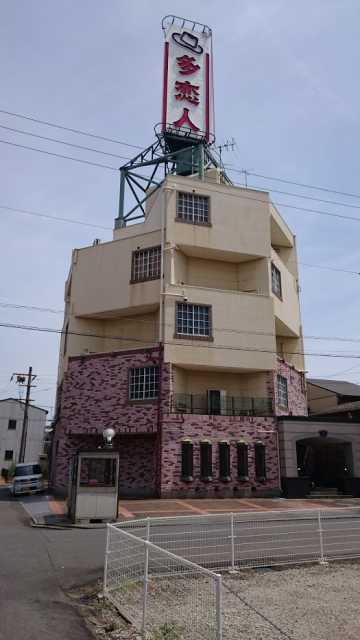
<point>228,145</point>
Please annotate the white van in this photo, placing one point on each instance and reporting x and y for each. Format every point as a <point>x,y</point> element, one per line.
<point>28,478</point>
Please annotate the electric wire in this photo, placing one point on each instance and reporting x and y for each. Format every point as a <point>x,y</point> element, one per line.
<point>114,155</point>
<point>68,144</point>
<point>140,147</point>
<point>59,155</point>
<point>52,330</point>
<point>72,130</point>
<point>47,216</point>
<point>303,184</point>
<point>154,324</point>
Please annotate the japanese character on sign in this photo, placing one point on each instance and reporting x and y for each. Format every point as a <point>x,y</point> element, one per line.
<point>185,121</point>
<point>187,91</point>
<point>186,65</point>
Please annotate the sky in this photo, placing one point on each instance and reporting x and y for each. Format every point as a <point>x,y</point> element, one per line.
<point>285,90</point>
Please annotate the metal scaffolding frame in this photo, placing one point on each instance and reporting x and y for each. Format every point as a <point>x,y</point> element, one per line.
<point>178,154</point>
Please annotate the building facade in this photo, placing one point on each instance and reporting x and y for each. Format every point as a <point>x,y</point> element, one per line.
<point>11,420</point>
<point>183,334</point>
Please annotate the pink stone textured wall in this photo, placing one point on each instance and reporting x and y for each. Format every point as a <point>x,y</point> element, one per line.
<point>95,396</point>
<point>137,462</point>
<point>297,399</point>
<point>217,428</point>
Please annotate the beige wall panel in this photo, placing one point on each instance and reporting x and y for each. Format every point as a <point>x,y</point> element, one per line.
<point>240,321</point>
<point>287,309</point>
<point>240,220</point>
<point>101,277</point>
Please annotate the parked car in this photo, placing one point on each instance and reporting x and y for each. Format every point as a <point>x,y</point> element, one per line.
<point>28,478</point>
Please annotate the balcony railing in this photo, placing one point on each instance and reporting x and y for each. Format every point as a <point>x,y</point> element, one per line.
<point>224,406</point>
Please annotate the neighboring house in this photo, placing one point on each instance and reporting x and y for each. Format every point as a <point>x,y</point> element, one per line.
<point>11,421</point>
<point>336,397</point>
<point>183,333</point>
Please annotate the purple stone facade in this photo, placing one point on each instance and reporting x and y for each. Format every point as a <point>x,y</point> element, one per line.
<point>296,385</point>
<point>149,437</point>
<point>216,429</point>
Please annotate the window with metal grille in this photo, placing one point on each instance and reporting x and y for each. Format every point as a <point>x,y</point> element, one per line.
<point>193,319</point>
<point>144,383</point>
<point>205,460</point>
<point>243,461</point>
<point>146,264</point>
<point>224,461</point>
<point>187,460</point>
<point>192,208</point>
<point>12,424</point>
<point>9,454</point>
<point>282,392</point>
<point>276,281</point>
<point>260,462</point>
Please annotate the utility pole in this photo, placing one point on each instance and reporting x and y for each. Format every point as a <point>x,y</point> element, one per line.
<point>24,379</point>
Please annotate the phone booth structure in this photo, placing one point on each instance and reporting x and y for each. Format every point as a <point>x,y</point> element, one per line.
<point>94,486</point>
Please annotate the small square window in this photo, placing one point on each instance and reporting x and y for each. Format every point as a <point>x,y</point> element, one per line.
<point>9,454</point>
<point>193,208</point>
<point>276,281</point>
<point>146,264</point>
<point>193,319</point>
<point>144,383</point>
<point>12,425</point>
<point>282,392</point>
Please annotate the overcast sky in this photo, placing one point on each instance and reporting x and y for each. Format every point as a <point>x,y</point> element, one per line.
<point>287,90</point>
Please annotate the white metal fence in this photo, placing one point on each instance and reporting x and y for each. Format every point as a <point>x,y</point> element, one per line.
<point>162,570</point>
<point>159,592</point>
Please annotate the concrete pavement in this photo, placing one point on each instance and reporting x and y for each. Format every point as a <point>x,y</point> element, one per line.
<point>45,509</point>
<point>37,566</point>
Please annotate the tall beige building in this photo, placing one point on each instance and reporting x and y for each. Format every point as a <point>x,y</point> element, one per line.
<point>184,334</point>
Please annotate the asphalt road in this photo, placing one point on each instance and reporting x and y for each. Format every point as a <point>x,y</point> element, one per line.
<point>37,566</point>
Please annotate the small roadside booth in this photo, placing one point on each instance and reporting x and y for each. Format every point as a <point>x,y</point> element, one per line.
<point>94,486</point>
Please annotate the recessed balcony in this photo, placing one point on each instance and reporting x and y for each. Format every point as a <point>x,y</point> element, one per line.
<point>215,403</point>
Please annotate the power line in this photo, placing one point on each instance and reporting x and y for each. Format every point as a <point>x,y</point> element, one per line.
<point>114,155</point>
<point>58,155</point>
<point>134,146</point>
<point>302,184</point>
<point>78,131</point>
<point>68,144</point>
<point>56,218</point>
<point>29,307</point>
<point>103,166</point>
<point>183,344</point>
<point>98,226</point>
<point>154,323</point>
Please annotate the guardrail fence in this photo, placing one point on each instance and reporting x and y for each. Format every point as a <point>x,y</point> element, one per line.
<point>161,571</point>
<point>163,595</point>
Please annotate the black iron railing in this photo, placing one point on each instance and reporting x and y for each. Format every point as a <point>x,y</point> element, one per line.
<point>225,406</point>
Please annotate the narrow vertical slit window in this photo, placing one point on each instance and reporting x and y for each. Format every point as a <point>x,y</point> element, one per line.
<point>276,281</point>
<point>243,461</point>
<point>282,392</point>
<point>187,460</point>
<point>224,461</point>
<point>260,462</point>
<point>206,460</point>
